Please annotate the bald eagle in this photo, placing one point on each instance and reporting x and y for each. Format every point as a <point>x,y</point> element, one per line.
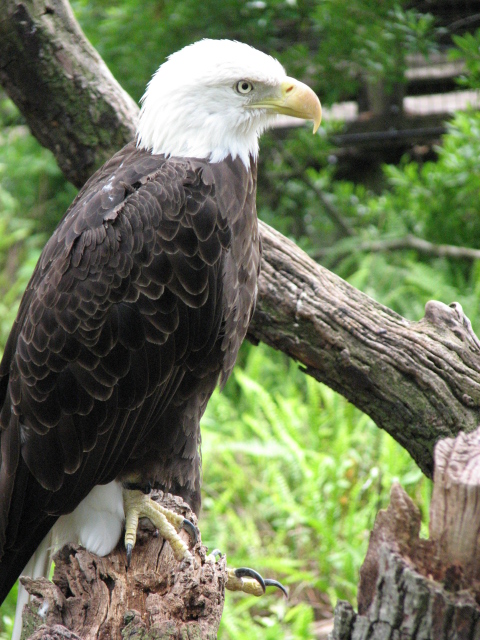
<point>136,310</point>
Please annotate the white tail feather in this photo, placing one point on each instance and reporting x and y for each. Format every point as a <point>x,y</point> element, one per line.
<point>96,524</point>
<point>37,567</point>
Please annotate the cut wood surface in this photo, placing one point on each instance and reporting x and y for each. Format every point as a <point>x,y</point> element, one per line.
<point>455,510</point>
<point>424,589</point>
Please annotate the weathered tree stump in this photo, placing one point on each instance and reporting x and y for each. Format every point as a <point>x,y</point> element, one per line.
<point>424,589</point>
<point>94,598</point>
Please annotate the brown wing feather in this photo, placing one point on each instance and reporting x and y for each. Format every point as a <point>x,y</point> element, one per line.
<point>139,302</point>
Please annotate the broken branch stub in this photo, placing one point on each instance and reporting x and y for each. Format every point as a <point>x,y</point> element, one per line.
<point>455,509</point>
<point>424,589</point>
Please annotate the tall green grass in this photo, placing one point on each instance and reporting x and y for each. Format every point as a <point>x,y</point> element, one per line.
<point>293,478</point>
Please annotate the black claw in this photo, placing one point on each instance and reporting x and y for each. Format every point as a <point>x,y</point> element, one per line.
<point>191,529</point>
<point>215,553</point>
<point>144,487</point>
<point>129,548</point>
<point>147,488</point>
<point>275,583</point>
<point>245,572</point>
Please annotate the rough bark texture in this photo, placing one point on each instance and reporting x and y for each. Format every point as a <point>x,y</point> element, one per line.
<point>423,589</point>
<point>419,381</point>
<point>71,101</point>
<point>94,598</point>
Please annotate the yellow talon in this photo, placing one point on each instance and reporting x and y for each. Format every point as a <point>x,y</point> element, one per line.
<point>245,584</point>
<point>139,505</point>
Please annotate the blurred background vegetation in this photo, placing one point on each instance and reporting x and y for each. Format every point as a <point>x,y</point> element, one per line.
<point>293,474</point>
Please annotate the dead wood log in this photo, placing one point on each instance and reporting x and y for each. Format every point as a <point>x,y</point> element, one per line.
<point>94,598</point>
<point>424,589</point>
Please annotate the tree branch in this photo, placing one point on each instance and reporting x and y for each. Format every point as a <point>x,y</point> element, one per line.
<point>72,103</point>
<point>407,242</point>
<point>418,380</point>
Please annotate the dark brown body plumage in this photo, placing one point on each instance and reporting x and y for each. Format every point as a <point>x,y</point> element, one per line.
<point>137,306</point>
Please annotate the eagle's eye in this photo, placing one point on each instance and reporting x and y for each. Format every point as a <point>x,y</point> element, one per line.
<point>244,86</point>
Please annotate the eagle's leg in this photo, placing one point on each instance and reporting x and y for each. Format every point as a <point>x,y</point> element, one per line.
<point>138,504</point>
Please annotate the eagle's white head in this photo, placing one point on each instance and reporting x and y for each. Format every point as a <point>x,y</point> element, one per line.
<point>215,97</point>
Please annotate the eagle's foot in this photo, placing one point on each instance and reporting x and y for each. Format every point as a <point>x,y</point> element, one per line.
<point>138,504</point>
<point>248,580</point>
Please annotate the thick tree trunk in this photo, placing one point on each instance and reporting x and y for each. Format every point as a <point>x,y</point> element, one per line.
<point>94,598</point>
<point>420,381</point>
<point>424,589</point>
<point>71,101</point>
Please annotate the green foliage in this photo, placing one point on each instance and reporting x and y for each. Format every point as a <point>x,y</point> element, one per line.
<point>330,44</point>
<point>369,39</point>
<point>293,478</point>
<point>7,614</point>
<point>440,199</point>
<point>468,51</point>
<point>437,201</point>
<point>293,474</point>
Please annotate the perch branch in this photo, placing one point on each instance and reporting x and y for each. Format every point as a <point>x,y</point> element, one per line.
<point>405,243</point>
<point>92,597</point>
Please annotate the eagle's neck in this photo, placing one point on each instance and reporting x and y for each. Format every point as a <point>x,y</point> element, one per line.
<point>189,126</point>
<point>178,137</point>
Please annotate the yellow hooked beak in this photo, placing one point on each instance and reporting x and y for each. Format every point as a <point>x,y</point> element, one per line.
<point>295,99</point>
